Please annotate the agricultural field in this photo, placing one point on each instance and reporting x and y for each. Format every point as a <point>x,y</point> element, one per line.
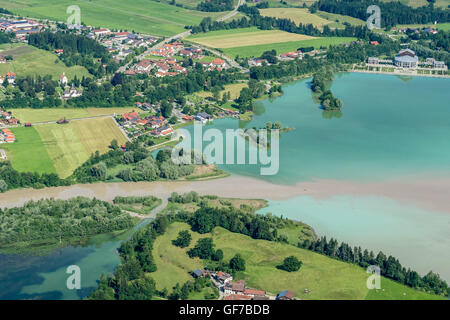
<point>54,114</point>
<point>31,61</point>
<point>28,153</point>
<point>319,19</point>
<point>234,89</point>
<point>337,20</point>
<point>439,26</point>
<point>297,15</point>
<point>144,16</point>
<point>69,145</point>
<point>257,50</point>
<point>326,278</point>
<point>224,39</point>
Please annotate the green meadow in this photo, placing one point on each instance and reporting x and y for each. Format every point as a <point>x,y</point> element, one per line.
<point>139,15</point>
<point>257,50</point>
<point>31,61</point>
<point>324,277</point>
<point>28,153</point>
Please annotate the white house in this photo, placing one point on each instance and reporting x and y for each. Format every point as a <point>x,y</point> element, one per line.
<point>63,79</point>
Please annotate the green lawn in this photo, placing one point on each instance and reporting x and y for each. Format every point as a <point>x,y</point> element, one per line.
<point>70,145</point>
<point>140,15</point>
<point>28,153</point>
<point>31,61</point>
<point>257,50</point>
<point>326,278</point>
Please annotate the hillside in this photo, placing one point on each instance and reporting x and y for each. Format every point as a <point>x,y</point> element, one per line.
<point>31,61</point>
<point>326,278</point>
<point>138,15</point>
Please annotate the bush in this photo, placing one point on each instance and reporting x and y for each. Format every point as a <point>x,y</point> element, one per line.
<point>237,263</point>
<point>290,264</point>
<point>183,240</point>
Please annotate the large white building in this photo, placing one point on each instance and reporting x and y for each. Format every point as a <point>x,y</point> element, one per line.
<point>406,58</point>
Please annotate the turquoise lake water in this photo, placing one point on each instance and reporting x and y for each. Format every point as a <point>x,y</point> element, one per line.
<point>389,127</point>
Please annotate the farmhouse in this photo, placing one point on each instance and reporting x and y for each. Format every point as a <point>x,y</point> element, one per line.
<point>285,295</point>
<point>199,273</point>
<point>223,277</point>
<point>237,297</point>
<point>373,60</point>
<point>254,292</point>
<point>20,27</point>
<point>406,58</point>
<point>131,116</point>
<point>101,32</point>
<point>72,93</point>
<point>203,117</point>
<point>291,55</point>
<point>10,77</point>
<point>258,62</point>
<point>6,136</point>
<point>235,287</point>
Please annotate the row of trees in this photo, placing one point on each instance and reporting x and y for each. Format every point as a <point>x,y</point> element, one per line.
<point>335,57</point>
<point>392,12</point>
<point>13,179</point>
<point>215,5</point>
<point>390,267</point>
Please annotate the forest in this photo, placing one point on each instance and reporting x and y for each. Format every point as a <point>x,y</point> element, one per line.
<point>392,12</point>
<point>140,165</point>
<point>78,50</point>
<point>215,5</point>
<point>51,219</point>
<point>390,266</point>
<point>319,85</point>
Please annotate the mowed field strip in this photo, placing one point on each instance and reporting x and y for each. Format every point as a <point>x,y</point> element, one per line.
<point>245,37</point>
<point>28,153</point>
<point>69,145</point>
<point>54,114</point>
<point>303,16</point>
<point>31,61</point>
<point>234,89</point>
<point>295,14</point>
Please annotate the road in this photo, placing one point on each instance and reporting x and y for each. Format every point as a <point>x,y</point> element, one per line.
<point>231,13</point>
<point>186,33</point>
